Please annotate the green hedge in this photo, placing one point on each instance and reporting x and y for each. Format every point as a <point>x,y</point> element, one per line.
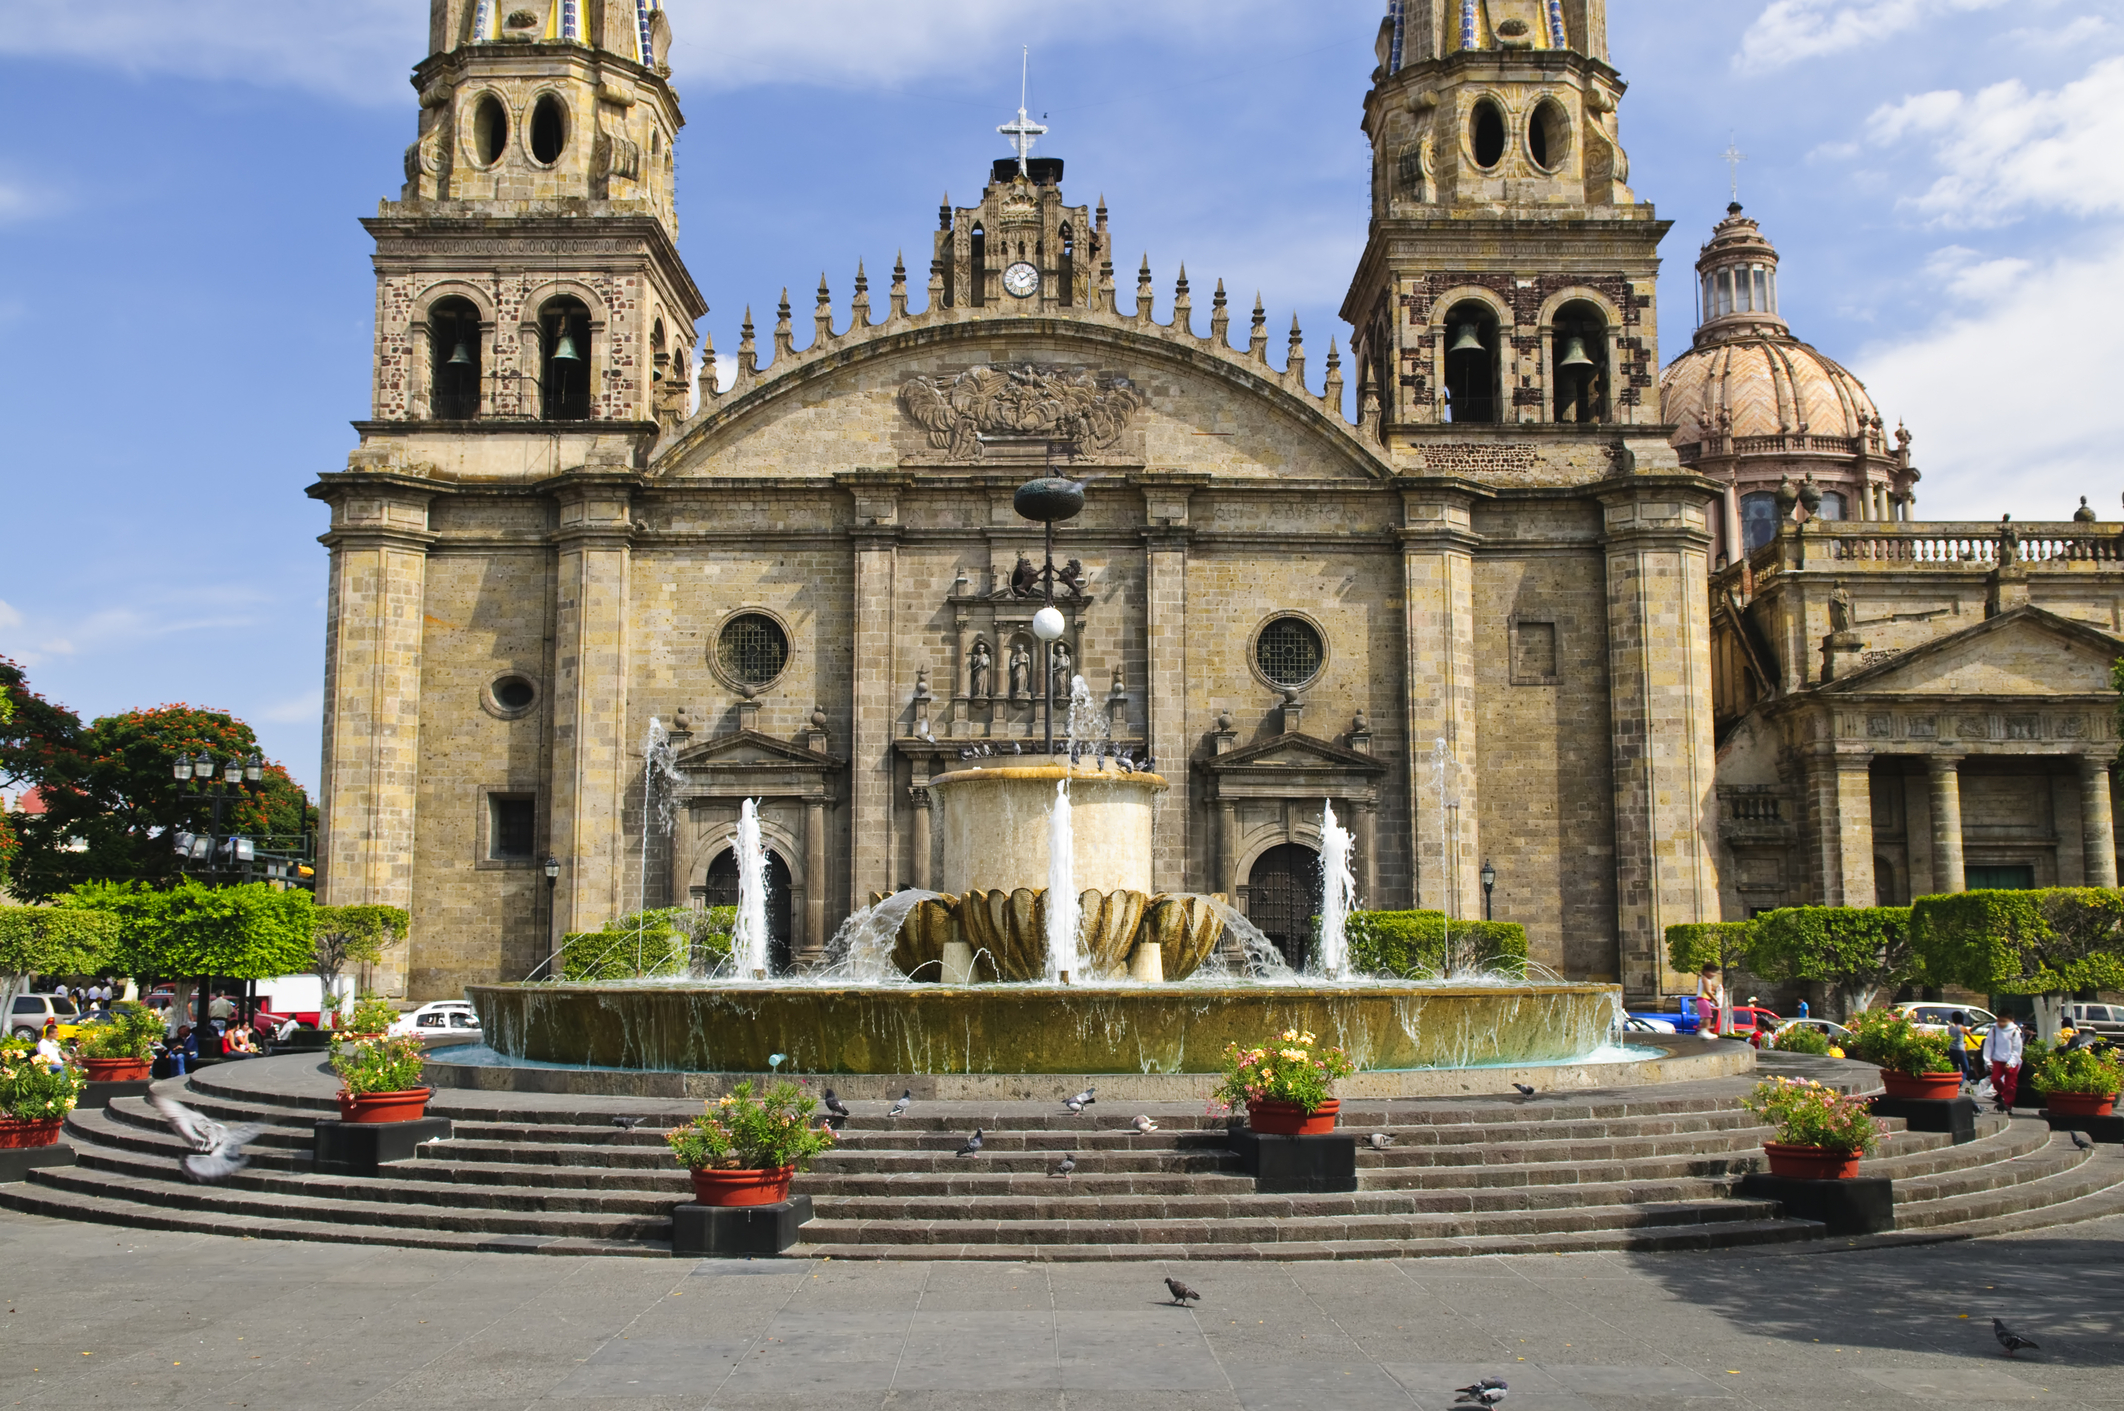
<point>2051,941</point>
<point>1412,944</point>
<point>1861,950</point>
<point>51,940</point>
<point>1691,945</point>
<point>662,944</point>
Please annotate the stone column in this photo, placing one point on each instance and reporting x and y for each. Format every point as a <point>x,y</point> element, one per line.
<point>2098,837</point>
<point>872,825</point>
<point>1227,848</point>
<point>1438,589</point>
<point>1944,773</point>
<point>1366,834</point>
<point>1165,502</point>
<point>593,758</point>
<point>918,845</point>
<point>368,792</point>
<point>1659,682</point>
<point>815,934</point>
<point>1840,809</point>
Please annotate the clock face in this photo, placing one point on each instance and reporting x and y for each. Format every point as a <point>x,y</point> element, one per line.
<point>1022,280</point>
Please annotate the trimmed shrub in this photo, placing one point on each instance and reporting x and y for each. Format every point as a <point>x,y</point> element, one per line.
<point>2049,942</point>
<point>1412,944</point>
<point>1861,950</point>
<point>668,943</point>
<point>1691,945</point>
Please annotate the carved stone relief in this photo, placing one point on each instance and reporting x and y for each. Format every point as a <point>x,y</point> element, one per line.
<point>1020,403</point>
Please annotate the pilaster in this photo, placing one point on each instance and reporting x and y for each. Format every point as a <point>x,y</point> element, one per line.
<point>1165,510</point>
<point>2098,838</point>
<point>1840,809</point>
<point>592,757</point>
<point>1438,596</point>
<point>872,765</point>
<point>1944,774</point>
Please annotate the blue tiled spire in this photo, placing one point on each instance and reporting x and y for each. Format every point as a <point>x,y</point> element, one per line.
<point>1395,12</point>
<point>1467,24</point>
<point>1558,39</point>
<point>642,10</point>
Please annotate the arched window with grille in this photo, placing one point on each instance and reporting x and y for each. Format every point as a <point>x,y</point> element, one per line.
<point>564,360</point>
<point>456,354</point>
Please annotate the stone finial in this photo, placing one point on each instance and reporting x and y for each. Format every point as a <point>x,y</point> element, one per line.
<point>1787,497</point>
<point>944,212</point>
<point>1331,390</point>
<point>1183,307</point>
<point>2084,514</point>
<point>1293,713</point>
<point>1220,317</point>
<point>921,689</point>
<point>711,382</point>
<point>899,285</point>
<point>1294,363</point>
<point>1227,734</point>
<point>859,306</point>
<point>784,336</point>
<point>1257,341</point>
<point>1143,290</point>
<point>1810,497</point>
<point>682,721</point>
<point>823,315</point>
<point>1368,411</point>
<point>817,732</point>
<point>748,351</point>
<point>1361,733</point>
<point>748,708</point>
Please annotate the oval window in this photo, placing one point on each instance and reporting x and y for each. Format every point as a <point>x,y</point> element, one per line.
<point>1549,135</point>
<point>549,129</point>
<point>752,649</point>
<point>490,130</point>
<point>1489,134</point>
<point>514,693</point>
<point>1289,651</point>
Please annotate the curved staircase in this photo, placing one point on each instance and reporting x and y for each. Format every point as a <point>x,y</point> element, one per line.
<point>1645,1168</point>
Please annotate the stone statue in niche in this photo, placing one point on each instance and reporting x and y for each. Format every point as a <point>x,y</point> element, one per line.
<point>1839,610</point>
<point>2009,540</point>
<point>1020,670</point>
<point>1061,672</point>
<point>980,665</point>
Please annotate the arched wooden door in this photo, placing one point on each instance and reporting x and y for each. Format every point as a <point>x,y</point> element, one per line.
<point>722,890</point>
<point>1283,897</point>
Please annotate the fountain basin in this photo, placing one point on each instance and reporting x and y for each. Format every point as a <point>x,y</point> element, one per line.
<point>994,824</point>
<point>1034,1028</point>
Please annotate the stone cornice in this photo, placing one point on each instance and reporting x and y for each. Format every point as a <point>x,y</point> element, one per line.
<point>530,241</point>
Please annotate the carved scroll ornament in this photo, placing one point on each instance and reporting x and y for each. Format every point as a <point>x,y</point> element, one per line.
<point>1019,402</point>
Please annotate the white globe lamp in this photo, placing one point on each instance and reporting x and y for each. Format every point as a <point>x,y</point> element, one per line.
<point>1047,624</point>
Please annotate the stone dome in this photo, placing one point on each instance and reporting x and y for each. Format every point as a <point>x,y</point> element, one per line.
<point>1764,383</point>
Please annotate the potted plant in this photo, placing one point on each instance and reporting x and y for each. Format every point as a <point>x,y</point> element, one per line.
<point>2079,1083</point>
<point>1284,1084</point>
<point>1821,1133</point>
<point>1913,1064</point>
<point>1802,1038</point>
<point>382,1079</point>
<point>119,1051</point>
<point>34,1100</point>
<point>744,1149</point>
<point>372,1015</point>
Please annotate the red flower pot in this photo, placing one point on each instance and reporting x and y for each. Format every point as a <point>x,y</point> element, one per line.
<point>2079,1104</point>
<point>754,1187</point>
<point>1811,1163</point>
<point>115,1070</point>
<point>19,1132</point>
<point>404,1106</point>
<point>1287,1119</point>
<point>1921,1085</point>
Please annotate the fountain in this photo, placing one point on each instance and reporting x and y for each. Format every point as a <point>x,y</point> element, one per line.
<point>1046,949</point>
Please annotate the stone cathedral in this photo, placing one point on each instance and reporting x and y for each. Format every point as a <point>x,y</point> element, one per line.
<point>1654,653</point>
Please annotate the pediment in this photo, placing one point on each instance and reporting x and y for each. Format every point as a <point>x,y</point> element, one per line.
<point>749,749</point>
<point>1295,752</point>
<point>2025,651</point>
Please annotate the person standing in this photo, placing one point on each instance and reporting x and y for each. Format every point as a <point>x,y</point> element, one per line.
<point>1958,1043</point>
<point>1710,1000</point>
<point>2002,1051</point>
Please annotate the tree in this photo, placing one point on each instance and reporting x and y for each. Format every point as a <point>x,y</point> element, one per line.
<point>1691,945</point>
<point>1861,950</point>
<point>111,802</point>
<point>247,932</point>
<point>50,940</point>
<point>352,935</point>
<point>2045,944</point>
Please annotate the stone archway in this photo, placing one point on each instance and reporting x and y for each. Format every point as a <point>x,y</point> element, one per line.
<point>720,888</point>
<point>1283,897</point>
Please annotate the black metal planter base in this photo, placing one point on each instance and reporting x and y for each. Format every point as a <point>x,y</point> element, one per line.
<point>94,1094</point>
<point>17,1162</point>
<point>1297,1165</point>
<point>1863,1205</point>
<point>1953,1115</point>
<point>359,1148</point>
<point>2101,1129</point>
<point>736,1231</point>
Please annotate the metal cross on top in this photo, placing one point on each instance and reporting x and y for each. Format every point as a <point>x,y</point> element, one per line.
<point>1734,157</point>
<point>1024,131</point>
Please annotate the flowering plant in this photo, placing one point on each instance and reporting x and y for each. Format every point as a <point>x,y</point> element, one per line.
<point>379,1065</point>
<point>740,1132</point>
<point>31,1090</point>
<point>1801,1038</point>
<point>2080,1070</point>
<point>1887,1039</point>
<point>1807,1113</point>
<point>372,1015</point>
<point>1289,1068</point>
<point>132,1031</point>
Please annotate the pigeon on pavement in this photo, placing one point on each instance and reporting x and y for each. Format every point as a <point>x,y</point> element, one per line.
<point>1143,1123</point>
<point>834,1105</point>
<point>628,1123</point>
<point>1380,1141</point>
<point>2081,1142</point>
<point>1181,1293</point>
<point>1082,1100</point>
<point>899,1109</point>
<point>2010,1340</point>
<point>1487,1392</point>
<point>217,1151</point>
<point>1523,1090</point>
<point>1067,1165</point>
<point>973,1145</point>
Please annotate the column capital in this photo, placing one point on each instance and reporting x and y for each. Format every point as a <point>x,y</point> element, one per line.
<point>1943,763</point>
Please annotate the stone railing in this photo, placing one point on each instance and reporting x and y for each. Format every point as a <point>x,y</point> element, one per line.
<point>1772,445</point>
<point>1958,545</point>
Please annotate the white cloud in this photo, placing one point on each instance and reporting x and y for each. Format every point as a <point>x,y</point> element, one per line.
<point>2006,150</point>
<point>1788,31</point>
<point>9,617</point>
<point>1974,402</point>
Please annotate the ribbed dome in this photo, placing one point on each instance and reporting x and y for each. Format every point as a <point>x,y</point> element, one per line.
<point>1769,384</point>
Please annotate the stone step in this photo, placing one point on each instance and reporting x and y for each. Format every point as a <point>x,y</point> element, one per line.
<point>2056,1171</point>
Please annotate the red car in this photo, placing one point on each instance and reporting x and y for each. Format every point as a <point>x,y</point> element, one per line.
<point>1749,1022</point>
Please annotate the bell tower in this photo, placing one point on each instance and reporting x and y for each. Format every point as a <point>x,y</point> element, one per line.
<point>529,271</point>
<point>1509,277</point>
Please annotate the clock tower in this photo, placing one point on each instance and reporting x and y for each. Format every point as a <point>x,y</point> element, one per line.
<point>1021,250</point>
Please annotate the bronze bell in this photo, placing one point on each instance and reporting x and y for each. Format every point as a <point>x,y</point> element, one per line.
<point>1466,340</point>
<point>460,356</point>
<point>1574,354</point>
<point>564,351</point>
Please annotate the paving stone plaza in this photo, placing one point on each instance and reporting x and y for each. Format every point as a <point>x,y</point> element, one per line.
<point>101,1316</point>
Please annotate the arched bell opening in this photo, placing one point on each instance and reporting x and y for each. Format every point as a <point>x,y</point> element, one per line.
<point>564,360</point>
<point>455,351</point>
<point>1471,371</point>
<point>978,294</point>
<point>1578,364</point>
<point>1283,898</point>
<point>1066,268</point>
<point>720,888</point>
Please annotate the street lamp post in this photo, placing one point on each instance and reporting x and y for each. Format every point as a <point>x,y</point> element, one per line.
<point>1489,880</point>
<point>552,913</point>
<point>221,852</point>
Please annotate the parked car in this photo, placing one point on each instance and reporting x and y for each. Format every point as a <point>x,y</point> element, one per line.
<point>1749,1020</point>
<point>436,1017</point>
<point>1831,1030</point>
<point>1648,1024</point>
<point>1931,1016</point>
<point>31,1012</point>
<point>2105,1019</point>
<point>1679,1020</point>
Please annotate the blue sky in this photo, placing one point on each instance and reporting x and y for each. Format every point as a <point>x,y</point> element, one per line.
<point>187,333</point>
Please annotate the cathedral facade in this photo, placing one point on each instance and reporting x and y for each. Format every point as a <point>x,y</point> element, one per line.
<point>1505,616</point>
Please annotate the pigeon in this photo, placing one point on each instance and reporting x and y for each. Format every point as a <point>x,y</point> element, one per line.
<point>973,1145</point>
<point>1380,1141</point>
<point>628,1123</point>
<point>1487,1392</point>
<point>1016,748</point>
<point>2010,1340</point>
<point>1121,763</point>
<point>217,1151</point>
<point>1067,1165</point>
<point>1181,1293</point>
<point>835,1105</point>
<point>1082,1100</point>
<point>1143,1123</point>
<point>965,754</point>
<point>1523,1090</point>
<point>899,1109</point>
<point>2081,1142</point>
